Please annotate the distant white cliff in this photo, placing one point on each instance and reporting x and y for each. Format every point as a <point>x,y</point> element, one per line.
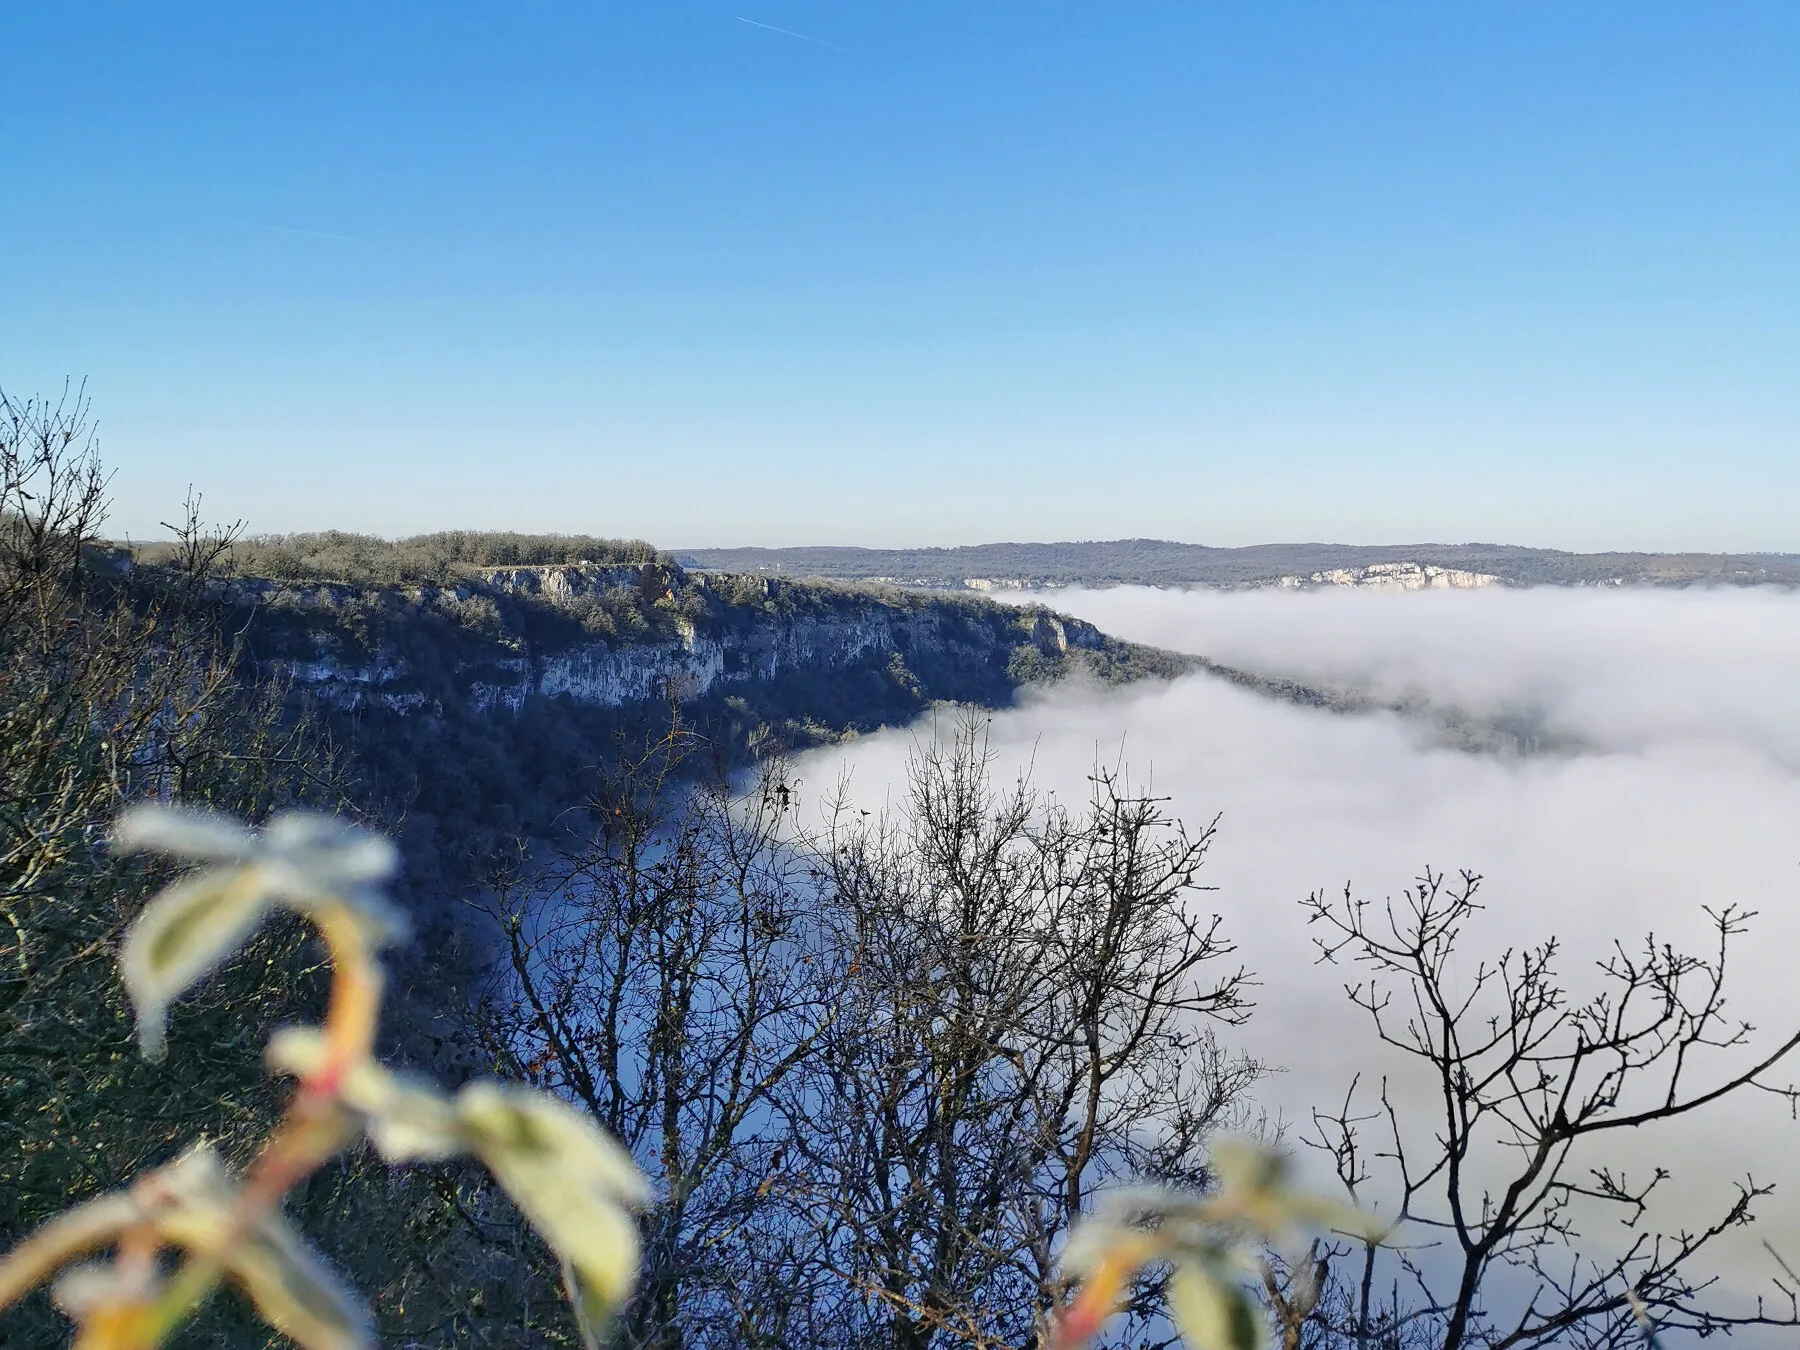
<point>1396,576</point>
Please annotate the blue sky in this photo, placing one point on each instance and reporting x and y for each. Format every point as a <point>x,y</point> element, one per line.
<point>921,273</point>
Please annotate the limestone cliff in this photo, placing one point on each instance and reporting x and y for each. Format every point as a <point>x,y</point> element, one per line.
<point>478,710</point>
<point>613,636</point>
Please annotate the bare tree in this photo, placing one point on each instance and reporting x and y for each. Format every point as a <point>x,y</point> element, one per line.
<point>1526,1077</point>
<point>1027,1005</point>
<point>876,1067</point>
<point>665,979</point>
<point>113,684</point>
<point>116,682</point>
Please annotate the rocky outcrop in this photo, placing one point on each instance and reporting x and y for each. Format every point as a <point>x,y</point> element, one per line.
<point>696,664</point>
<point>576,579</point>
<point>511,635</point>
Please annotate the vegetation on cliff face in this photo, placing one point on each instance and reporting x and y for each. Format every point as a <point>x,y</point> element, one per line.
<point>503,613</point>
<point>439,690</point>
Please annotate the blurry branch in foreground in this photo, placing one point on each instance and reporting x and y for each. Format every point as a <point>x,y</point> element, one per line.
<point>1214,1245</point>
<point>117,683</point>
<point>570,1180</point>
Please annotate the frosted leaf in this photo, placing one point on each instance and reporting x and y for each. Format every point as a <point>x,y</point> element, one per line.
<point>303,859</point>
<point>414,1123</point>
<point>1242,1165</point>
<point>568,1177</point>
<point>191,1200</point>
<point>332,852</point>
<point>539,1126</point>
<point>182,832</point>
<point>81,1291</point>
<point>196,1175</point>
<point>407,1121</point>
<point>1308,1211</point>
<point>314,860</point>
<point>1214,1314</point>
<point>183,935</point>
<point>296,1293</point>
<point>1102,1239</point>
<point>1214,1242</point>
<point>309,862</point>
<point>296,1051</point>
<point>592,1309</point>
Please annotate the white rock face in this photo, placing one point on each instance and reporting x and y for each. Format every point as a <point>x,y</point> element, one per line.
<point>565,582</point>
<point>608,674</point>
<point>1397,576</point>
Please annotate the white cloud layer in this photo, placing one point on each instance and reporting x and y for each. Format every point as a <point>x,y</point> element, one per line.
<point>1688,796</point>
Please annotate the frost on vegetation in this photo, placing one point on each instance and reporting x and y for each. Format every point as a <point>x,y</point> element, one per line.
<point>1211,1244</point>
<point>108,1259</point>
<point>573,1182</point>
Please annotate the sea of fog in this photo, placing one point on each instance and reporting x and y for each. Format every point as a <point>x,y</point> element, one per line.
<point>1676,786</point>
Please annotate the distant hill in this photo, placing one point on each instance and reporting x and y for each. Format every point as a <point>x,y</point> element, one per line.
<point>1159,562</point>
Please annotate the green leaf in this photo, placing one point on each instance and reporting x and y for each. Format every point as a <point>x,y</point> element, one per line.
<point>295,1291</point>
<point>592,1311</point>
<point>182,832</point>
<point>407,1121</point>
<point>1334,1216</point>
<point>1243,1164</point>
<point>1214,1314</point>
<point>183,935</point>
<point>571,1180</point>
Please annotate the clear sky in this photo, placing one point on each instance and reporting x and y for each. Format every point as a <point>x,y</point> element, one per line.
<point>914,272</point>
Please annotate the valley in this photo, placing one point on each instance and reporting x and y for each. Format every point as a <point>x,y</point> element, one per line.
<point>1157,562</point>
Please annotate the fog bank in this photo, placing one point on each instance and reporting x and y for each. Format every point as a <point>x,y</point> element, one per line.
<point>1687,796</point>
<point>1624,669</point>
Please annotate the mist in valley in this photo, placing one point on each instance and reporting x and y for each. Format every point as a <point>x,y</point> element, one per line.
<point>1674,786</point>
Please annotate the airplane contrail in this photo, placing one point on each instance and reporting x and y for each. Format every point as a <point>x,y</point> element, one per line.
<point>757,23</point>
